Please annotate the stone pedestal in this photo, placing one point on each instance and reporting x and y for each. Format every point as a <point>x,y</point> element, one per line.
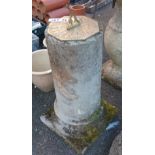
<point>85,139</point>
<point>76,67</point>
<point>76,62</point>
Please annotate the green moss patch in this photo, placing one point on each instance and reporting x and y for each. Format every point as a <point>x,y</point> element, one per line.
<point>92,131</point>
<point>80,137</point>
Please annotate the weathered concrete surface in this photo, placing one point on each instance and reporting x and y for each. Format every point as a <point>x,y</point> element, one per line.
<point>83,138</point>
<point>76,70</point>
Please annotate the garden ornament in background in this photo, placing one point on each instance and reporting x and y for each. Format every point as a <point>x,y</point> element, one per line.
<point>112,69</point>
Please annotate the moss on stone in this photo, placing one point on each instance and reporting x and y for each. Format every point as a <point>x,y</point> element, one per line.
<point>89,133</point>
<point>110,111</point>
<point>92,131</point>
<point>95,115</point>
<point>49,112</point>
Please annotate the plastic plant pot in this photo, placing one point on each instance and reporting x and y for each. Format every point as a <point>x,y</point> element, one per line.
<point>57,13</point>
<point>41,70</point>
<point>47,5</point>
<point>35,42</point>
<point>44,43</point>
<point>78,9</point>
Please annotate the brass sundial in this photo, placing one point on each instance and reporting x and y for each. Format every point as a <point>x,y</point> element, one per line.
<point>81,31</point>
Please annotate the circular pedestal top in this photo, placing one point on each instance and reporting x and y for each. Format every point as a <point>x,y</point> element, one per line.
<point>86,29</point>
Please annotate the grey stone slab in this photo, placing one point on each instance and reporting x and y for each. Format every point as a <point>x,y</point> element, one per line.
<point>82,138</point>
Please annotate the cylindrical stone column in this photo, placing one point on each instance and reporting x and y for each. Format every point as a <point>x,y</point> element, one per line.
<point>76,61</point>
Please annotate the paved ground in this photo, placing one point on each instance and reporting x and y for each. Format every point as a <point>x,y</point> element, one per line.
<point>46,142</point>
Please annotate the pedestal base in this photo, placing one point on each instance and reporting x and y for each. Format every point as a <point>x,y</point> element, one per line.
<point>83,138</point>
<point>112,73</point>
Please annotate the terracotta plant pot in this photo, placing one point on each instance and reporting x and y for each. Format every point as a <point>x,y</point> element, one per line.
<point>57,13</point>
<point>34,11</point>
<point>41,70</point>
<point>34,3</point>
<point>78,9</point>
<point>48,5</point>
<point>40,15</point>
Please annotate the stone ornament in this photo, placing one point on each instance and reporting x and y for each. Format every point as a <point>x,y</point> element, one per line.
<point>112,69</point>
